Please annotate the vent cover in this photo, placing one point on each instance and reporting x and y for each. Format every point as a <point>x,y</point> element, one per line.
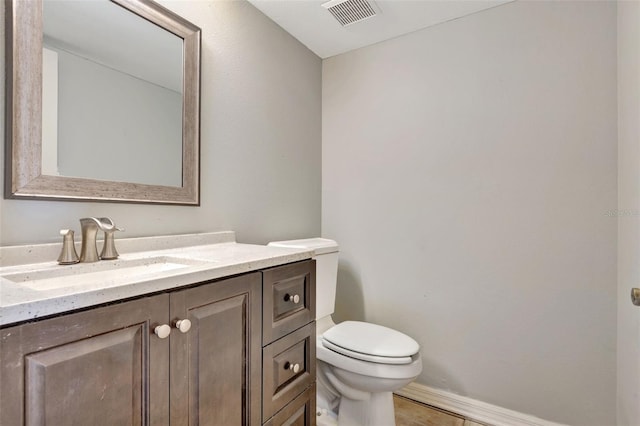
<point>349,12</point>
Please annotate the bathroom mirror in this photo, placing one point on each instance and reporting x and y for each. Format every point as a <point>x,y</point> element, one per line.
<point>102,102</point>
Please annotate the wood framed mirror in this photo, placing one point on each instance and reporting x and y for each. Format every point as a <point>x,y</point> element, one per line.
<point>135,155</point>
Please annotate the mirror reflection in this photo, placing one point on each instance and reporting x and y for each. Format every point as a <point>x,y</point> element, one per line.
<point>112,95</point>
<point>136,141</point>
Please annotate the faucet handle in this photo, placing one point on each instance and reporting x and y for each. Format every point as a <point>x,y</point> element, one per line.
<point>68,255</point>
<point>105,224</point>
<point>109,251</point>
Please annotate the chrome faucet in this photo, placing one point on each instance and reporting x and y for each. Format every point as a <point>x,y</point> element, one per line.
<point>90,227</point>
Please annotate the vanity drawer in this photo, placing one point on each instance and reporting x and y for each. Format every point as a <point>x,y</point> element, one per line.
<point>289,299</point>
<point>288,368</point>
<point>300,412</point>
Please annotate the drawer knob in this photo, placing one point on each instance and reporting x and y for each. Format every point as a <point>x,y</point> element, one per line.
<point>162,331</point>
<point>293,367</point>
<point>183,325</point>
<point>289,298</point>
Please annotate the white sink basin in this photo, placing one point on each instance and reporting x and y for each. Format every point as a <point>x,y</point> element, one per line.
<point>104,272</point>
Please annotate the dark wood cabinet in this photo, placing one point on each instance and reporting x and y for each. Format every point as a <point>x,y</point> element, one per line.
<point>206,355</point>
<point>289,345</point>
<point>288,368</point>
<point>106,366</point>
<point>289,299</point>
<point>216,371</point>
<point>98,367</point>
<point>299,412</point>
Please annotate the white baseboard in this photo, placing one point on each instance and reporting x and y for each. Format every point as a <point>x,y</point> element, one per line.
<point>470,408</point>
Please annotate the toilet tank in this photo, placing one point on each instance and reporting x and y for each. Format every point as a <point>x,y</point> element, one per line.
<point>326,257</point>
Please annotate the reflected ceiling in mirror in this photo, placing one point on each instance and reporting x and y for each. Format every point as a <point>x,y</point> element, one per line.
<point>119,106</point>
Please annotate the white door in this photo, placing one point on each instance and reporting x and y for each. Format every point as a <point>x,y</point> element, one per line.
<point>629,211</point>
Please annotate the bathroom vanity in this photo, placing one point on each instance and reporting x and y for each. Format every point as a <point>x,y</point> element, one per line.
<point>182,330</point>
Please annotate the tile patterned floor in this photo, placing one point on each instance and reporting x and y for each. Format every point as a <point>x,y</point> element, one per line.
<point>412,413</point>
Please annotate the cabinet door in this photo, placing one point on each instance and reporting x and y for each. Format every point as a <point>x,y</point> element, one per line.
<point>215,365</point>
<point>300,412</point>
<point>98,367</point>
<point>289,299</point>
<point>288,367</point>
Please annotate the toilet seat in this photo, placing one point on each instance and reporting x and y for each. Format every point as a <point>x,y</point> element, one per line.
<point>370,342</point>
<point>366,357</point>
<point>365,368</point>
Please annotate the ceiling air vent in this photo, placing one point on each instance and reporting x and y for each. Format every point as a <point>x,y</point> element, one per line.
<point>349,12</point>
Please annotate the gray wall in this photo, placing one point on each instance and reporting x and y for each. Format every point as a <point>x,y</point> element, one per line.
<point>260,145</point>
<point>629,205</point>
<point>469,174</point>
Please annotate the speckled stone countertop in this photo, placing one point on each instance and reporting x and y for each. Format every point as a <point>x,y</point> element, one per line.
<point>33,285</point>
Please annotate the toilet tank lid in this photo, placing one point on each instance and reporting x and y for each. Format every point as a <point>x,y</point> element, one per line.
<point>319,245</point>
<point>371,339</point>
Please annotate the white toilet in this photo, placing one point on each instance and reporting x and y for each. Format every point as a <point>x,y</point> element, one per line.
<point>359,365</point>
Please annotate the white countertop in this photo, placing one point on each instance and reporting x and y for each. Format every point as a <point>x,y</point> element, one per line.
<point>33,285</point>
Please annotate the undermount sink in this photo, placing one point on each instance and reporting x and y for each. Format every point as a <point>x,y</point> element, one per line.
<point>99,273</point>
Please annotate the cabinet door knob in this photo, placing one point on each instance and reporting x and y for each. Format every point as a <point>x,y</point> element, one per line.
<point>162,331</point>
<point>183,325</point>
<point>293,367</point>
<point>289,298</point>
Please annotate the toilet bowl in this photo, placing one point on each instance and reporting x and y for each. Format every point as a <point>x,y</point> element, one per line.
<point>359,369</point>
<point>359,365</point>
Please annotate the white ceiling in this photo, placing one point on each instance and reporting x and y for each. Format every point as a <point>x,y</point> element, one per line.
<point>317,29</point>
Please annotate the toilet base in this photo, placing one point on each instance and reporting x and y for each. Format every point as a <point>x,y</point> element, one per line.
<point>376,411</point>
<point>338,399</point>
